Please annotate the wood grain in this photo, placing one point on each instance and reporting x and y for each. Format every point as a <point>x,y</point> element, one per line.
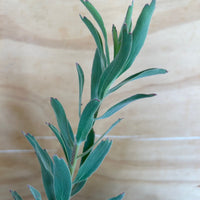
<point>156,148</point>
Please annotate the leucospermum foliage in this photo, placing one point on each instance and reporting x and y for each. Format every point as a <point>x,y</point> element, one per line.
<point>58,174</point>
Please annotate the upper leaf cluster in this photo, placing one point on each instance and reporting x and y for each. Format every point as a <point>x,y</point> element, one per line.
<point>59,178</point>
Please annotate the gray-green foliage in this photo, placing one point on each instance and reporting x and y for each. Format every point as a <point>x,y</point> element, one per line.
<point>119,197</point>
<point>35,193</point>
<point>59,178</point>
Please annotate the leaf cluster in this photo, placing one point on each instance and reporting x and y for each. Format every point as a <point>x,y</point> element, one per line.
<point>59,178</point>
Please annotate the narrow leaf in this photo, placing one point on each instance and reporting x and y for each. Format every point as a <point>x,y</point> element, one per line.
<point>15,195</point>
<point>128,19</point>
<point>93,161</point>
<point>123,103</point>
<point>140,32</point>
<point>81,84</point>
<point>46,165</point>
<point>89,149</point>
<point>62,179</point>
<point>88,144</point>
<point>47,179</point>
<point>96,37</point>
<point>42,154</point>
<point>87,120</point>
<point>63,123</point>
<point>113,70</point>
<point>77,187</point>
<point>100,22</point>
<point>35,193</point>
<point>119,197</point>
<point>97,69</point>
<point>67,151</point>
<point>142,74</point>
<point>116,42</point>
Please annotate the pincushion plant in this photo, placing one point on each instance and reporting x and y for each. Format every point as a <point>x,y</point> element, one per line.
<point>59,178</point>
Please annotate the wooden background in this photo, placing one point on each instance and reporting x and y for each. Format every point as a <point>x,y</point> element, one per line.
<point>156,150</point>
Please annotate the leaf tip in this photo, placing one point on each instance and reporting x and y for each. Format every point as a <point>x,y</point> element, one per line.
<point>108,140</point>
<point>152,4</point>
<point>55,156</point>
<point>81,17</point>
<point>131,5</point>
<point>23,132</point>
<point>132,2</point>
<point>165,71</point>
<point>113,26</point>
<point>47,123</point>
<point>122,194</point>
<point>52,99</point>
<point>125,25</point>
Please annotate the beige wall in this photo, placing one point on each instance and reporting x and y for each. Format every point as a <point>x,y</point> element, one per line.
<point>156,150</point>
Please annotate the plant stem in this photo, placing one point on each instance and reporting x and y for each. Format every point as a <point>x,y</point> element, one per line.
<point>74,161</point>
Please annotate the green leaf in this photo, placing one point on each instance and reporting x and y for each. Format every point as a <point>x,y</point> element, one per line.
<point>116,42</point>
<point>92,145</point>
<point>123,103</point>
<point>96,37</point>
<point>47,179</point>
<point>113,70</point>
<point>42,154</point>
<point>100,22</point>
<point>119,197</point>
<point>15,195</point>
<point>128,22</point>
<point>145,73</point>
<point>87,120</point>
<point>46,165</point>
<point>67,151</point>
<point>93,161</point>
<point>97,69</point>
<point>140,32</point>
<point>77,187</point>
<point>128,19</point>
<point>88,144</point>
<point>35,193</point>
<point>81,84</point>
<point>62,179</point>
<point>63,123</point>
